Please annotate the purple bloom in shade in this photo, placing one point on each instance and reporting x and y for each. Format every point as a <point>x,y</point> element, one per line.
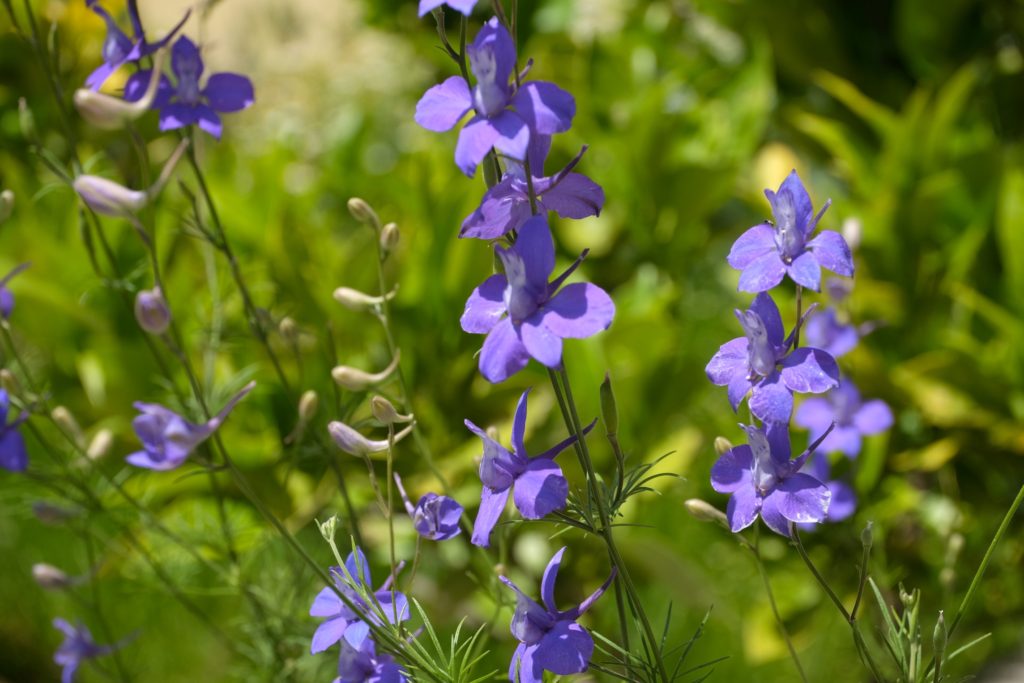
<point>523,315</point>
<point>13,455</point>
<point>824,331</point>
<point>78,645</point>
<point>463,6</point>
<point>186,103</point>
<point>854,418</point>
<point>343,621</point>
<point>539,107</point>
<point>844,500</point>
<point>434,517</point>
<point>761,363</point>
<point>168,438</point>
<point>118,48</point>
<point>537,483</point>
<point>6,297</point>
<point>763,480</point>
<point>549,638</point>
<point>506,206</point>
<point>766,253</point>
<point>363,665</point>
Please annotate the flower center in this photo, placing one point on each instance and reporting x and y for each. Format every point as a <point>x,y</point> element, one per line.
<point>489,96</point>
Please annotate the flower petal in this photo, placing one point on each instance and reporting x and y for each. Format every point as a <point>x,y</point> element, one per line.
<point>326,604</point>
<point>544,345</point>
<point>792,201</point>
<point>763,273</point>
<point>547,582</point>
<point>739,387</point>
<point>546,108</point>
<point>733,470</point>
<point>806,271</point>
<point>504,207</point>
<point>536,248</point>
<point>565,649</point>
<point>810,371</point>
<point>742,508</point>
<point>815,414</point>
<point>730,361</point>
<point>185,58</point>
<point>492,504</point>
<point>493,44</point>
<point>772,517</point>
<point>519,426</point>
<point>229,92</point>
<point>485,306</point>
<point>13,454</point>
<point>328,633</point>
<point>575,196</point>
<point>771,400</point>
<point>503,353</point>
<point>843,503</point>
<point>475,140</point>
<point>751,245</point>
<point>768,311</point>
<point>801,498</point>
<point>541,489</point>
<point>578,311</point>
<point>174,116</point>
<point>845,439</point>
<point>513,135</point>
<point>442,106</point>
<point>832,252</point>
<point>208,120</point>
<point>873,417</point>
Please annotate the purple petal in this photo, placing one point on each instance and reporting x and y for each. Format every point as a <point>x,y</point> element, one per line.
<point>873,417</point>
<point>575,196</point>
<point>771,400</point>
<point>547,582</point>
<point>815,414</point>
<point>209,121</point>
<point>513,135</point>
<point>810,371</point>
<point>519,426</point>
<point>777,434</point>
<point>742,508</point>
<point>806,271</point>
<point>357,567</point>
<point>326,604</point>
<point>442,106</point>
<point>464,6</point>
<point>565,649</point>
<point>100,75</point>
<point>503,353</point>
<point>357,633</point>
<point>229,92</point>
<point>521,669</point>
<point>739,387</point>
<point>530,620</point>
<point>578,311</point>
<point>844,439</point>
<point>792,200</point>
<point>494,38</point>
<point>730,362</point>
<point>135,88</point>
<point>773,517</point>
<point>174,116</point>
<point>504,207</point>
<point>751,245</point>
<point>733,470</point>
<point>185,58</point>
<point>328,633</point>
<point>843,503</point>
<point>492,504</point>
<point>763,273</point>
<point>547,108</point>
<point>541,489</point>
<point>832,252</point>
<point>825,332</point>
<point>485,306</point>
<point>801,498</point>
<point>768,311</point>
<point>13,454</point>
<point>475,140</point>
<point>537,250</point>
<point>541,343</point>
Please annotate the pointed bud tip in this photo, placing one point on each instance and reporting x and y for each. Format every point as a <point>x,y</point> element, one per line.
<point>722,445</point>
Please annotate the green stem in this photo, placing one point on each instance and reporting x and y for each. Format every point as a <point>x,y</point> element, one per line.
<point>755,551</point>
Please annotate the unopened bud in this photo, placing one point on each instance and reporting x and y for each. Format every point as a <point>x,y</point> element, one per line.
<point>355,379</point>
<point>909,600</point>
<point>354,443</point>
<point>288,328</point>
<point>940,637</point>
<point>358,301</point>
<point>328,528</point>
<point>722,445</point>
<point>363,212</point>
<point>67,422</point>
<point>706,512</point>
<point>51,578</point>
<point>26,121</point>
<point>151,311</point>
<point>51,514</point>
<point>389,237</point>
<point>113,199</point>
<point>6,205</point>
<point>851,231</point>
<point>384,411</point>
<point>100,444</point>
<point>867,536</point>
<point>9,382</point>
<point>110,113</point>
<point>609,409</point>
<point>308,403</point>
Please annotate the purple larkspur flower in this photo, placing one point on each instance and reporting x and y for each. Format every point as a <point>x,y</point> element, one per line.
<point>463,6</point>
<point>825,331</point>
<point>118,48</point>
<point>523,315</point>
<point>764,481</point>
<point>168,438</point>
<point>344,622</point>
<point>434,517</point>
<point>77,647</point>
<point>13,454</point>
<point>186,103</point>
<point>550,639</point>
<point>506,206</point>
<point>843,502</point>
<point>537,107</point>
<point>364,665</point>
<point>6,296</point>
<point>537,483</point>
<point>854,418</point>
<point>766,253</point>
<point>762,364</point>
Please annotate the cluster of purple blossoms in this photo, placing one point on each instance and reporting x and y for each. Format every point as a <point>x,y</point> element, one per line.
<point>118,48</point>
<point>78,646</point>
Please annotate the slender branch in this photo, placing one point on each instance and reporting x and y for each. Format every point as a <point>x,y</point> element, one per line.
<point>756,553</point>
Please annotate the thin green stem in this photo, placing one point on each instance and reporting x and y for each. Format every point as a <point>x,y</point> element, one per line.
<point>90,554</point>
<point>756,553</point>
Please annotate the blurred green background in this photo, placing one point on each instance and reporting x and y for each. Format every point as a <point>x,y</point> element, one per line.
<point>907,114</point>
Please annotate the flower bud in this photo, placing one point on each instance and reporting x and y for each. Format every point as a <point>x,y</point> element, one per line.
<point>67,422</point>
<point>288,328</point>
<point>354,443</point>
<point>939,638</point>
<point>51,578</point>
<point>110,113</point>
<point>609,410</point>
<point>100,445</point>
<point>389,236</point>
<point>151,311</point>
<point>308,403</point>
<point>6,205</point>
<point>328,528</point>
<point>722,445</point>
<point>867,537</point>
<point>9,383</point>
<point>355,300</point>
<point>706,512</point>
<point>51,514</point>
<point>384,411</point>
<point>112,199</point>
<point>26,121</point>
<point>851,231</point>
<point>355,379</point>
<point>363,212</point>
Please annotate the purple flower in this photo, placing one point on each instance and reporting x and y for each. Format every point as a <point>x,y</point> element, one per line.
<point>434,517</point>
<point>539,107</point>
<point>844,500</point>
<point>761,363</point>
<point>6,297</point>
<point>538,483</point>
<point>186,103</point>
<point>168,438</point>
<point>506,206</point>
<point>78,645</point>
<point>521,313</point>
<point>853,418</point>
<point>344,622</point>
<point>763,480</point>
<point>824,331</point>
<point>13,455</point>
<point>363,665</point>
<point>550,639</point>
<point>766,253</point>
<point>464,6</point>
<point>118,48</point>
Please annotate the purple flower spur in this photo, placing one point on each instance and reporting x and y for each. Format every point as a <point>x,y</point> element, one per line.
<point>118,48</point>
<point>766,253</point>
